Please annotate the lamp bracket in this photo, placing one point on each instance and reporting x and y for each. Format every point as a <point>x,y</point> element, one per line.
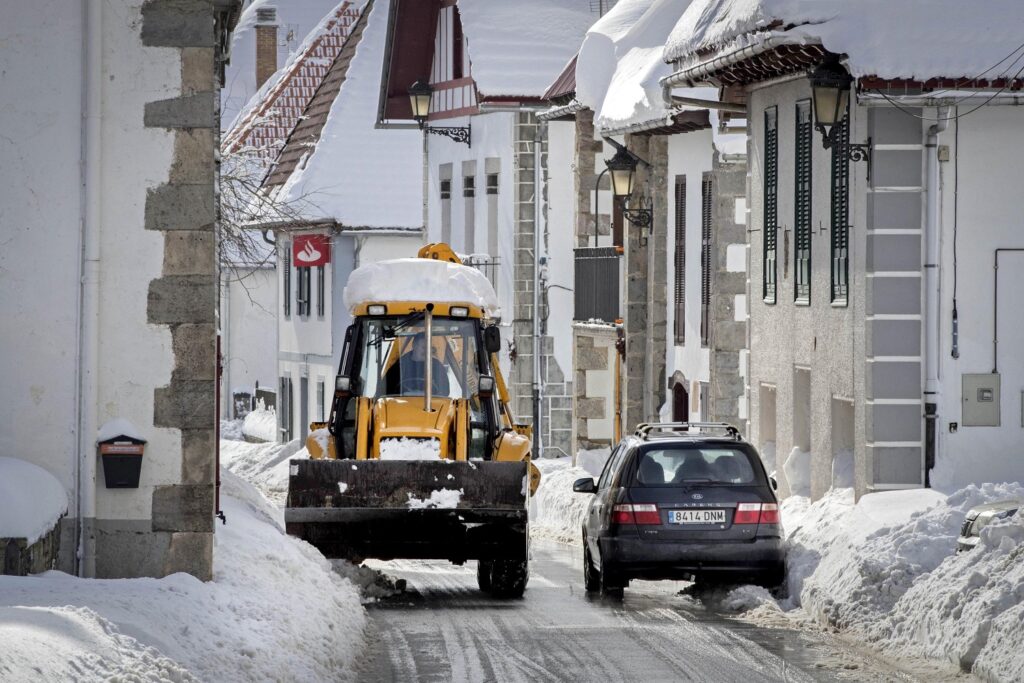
<point>642,217</point>
<point>456,133</point>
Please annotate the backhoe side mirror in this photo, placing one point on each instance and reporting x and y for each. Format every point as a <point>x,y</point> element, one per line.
<point>492,339</point>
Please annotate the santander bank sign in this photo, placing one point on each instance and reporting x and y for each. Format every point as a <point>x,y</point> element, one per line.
<point>311,250</point>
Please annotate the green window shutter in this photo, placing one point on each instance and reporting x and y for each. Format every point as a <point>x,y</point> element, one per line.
<point>771,196</point>
<point>680,260</point>
<point>705,258</point>
<point>840,233</point>
<point>802,204</point>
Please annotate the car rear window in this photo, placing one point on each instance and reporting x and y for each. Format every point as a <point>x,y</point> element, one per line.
<point>719,465</point>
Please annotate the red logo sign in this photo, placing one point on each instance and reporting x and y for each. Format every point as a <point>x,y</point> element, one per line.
<point>311,250</point>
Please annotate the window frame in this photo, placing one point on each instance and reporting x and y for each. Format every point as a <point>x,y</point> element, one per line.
<point>303,291</point>
<point>770,207</point>
<point>803,178</point>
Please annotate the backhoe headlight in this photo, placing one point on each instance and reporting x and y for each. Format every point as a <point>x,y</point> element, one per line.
<point>376,309</point>
<point>458,311</point>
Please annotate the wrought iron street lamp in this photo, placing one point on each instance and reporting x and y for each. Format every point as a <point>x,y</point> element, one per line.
<point>830,87</point>
<point>420,94</point>
<point>622,170</point>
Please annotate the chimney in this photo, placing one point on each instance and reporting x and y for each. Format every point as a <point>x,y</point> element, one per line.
<point>266,44</point>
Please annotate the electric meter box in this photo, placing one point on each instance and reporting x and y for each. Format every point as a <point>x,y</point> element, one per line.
<point>980,400</point>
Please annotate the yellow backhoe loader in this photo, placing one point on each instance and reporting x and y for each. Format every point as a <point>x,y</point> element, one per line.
<point>421,456</point>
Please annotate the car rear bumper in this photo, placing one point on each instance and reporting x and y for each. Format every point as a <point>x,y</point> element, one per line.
<point>760,560</point>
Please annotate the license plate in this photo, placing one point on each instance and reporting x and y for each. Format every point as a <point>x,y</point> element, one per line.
<point>696,516</point>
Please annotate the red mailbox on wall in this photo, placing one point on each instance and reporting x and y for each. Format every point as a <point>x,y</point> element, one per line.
<point>122,461</point>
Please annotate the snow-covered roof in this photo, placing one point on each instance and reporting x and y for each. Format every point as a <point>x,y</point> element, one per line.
<point>296,19</point>
<point>912,39</point>
<point>420,279</point>
<point>518,48</point>
<point>268,118</point>
<point>31,500</point>
<point>356,174</point>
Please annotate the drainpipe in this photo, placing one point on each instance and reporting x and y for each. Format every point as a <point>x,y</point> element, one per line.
<point>538,141</point>
<point>87,390</point>
<point>931,288</point>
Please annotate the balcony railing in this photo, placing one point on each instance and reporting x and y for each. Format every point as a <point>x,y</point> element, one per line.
<point>486,264</point>
<point>598,274</point>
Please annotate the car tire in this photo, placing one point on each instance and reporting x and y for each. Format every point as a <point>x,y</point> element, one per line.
<point>509,578</point>
<point>483,575</point>
<point>591,577</point>
<point>611,585</point>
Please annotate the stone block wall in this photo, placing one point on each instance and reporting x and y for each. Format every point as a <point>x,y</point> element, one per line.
<point>20,558</point>
<point>593,405</point>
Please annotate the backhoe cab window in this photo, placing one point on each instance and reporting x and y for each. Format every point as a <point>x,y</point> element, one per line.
<point>396,354</point>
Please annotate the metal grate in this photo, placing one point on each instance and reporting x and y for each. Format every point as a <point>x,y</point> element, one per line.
<point>680,260</point>
<point>840,234</point>
<point>705,258</point>
<point>771,196</point>
<point>596,287</point>
<point>802,204</point>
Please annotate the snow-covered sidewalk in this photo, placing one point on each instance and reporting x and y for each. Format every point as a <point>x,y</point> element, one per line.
<point>276,610</point>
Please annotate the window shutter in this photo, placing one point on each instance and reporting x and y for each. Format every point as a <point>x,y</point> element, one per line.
<point>287,275</point>
<point>680,260</point>
<point>771,187</point>
<point>705,258</point>
<point>840,248</point>
<point>802,204</point>
<point>320,290</point>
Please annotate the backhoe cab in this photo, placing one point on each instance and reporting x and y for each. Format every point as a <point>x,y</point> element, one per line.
<point>424,458</point>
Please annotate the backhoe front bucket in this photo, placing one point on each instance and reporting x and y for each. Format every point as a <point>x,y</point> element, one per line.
<point>428,509</point>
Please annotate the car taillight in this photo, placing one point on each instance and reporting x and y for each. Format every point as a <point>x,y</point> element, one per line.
<point>755,513</point>
<point>645,513</point>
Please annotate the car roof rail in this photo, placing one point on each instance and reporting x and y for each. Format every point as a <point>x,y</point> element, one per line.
<point>668,430</point>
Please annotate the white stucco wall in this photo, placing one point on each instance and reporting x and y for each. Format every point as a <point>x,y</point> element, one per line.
<point>561,207</point>
<point>39,224</point>
<point>248,331</point>
<point>991,165</point>
<point>689,154</point>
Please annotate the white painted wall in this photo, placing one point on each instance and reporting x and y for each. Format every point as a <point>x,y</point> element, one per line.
<point>689,154</point>
<point>991,165</point>
<point>39,228</point>
<point>248,331</point>
<point>561,207</point>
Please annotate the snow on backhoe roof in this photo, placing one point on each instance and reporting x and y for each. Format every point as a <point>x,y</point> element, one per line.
<point>419,279</point>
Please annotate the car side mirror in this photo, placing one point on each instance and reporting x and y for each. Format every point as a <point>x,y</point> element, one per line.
<point>774,483</point>
<point>492,339</point>
<point>585,485</point>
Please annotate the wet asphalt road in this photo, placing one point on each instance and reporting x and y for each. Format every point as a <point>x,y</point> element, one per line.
<point>444,629</point>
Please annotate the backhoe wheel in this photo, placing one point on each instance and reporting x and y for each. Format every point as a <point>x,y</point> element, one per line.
<point>509,577</point>
<point>591,579</point>
<point>483,574</point>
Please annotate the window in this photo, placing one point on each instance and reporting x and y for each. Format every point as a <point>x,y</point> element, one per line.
<point>457,48</point>
<point>303,294</point>
<point>444,174</point>
<point>321,288</point>
<point>771,187</point>
<point>284,415</point>
<point>286,274</point>
<point>320,398</point>
<point>492,183</point>
<point>708,465</point>
<point>617,236</point>
<point>611,467</point>
<point>839,239</point>
<point>802,205</point>
<point>680,259</point>
<point>706,200</point>
<point>469,210</point>
<point>446,188</point>
<point>469,186</point>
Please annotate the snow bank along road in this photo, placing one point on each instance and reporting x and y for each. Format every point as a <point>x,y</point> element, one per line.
<point>443,629</point>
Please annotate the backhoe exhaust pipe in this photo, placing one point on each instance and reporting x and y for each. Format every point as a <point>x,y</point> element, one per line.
<point>428,370</point>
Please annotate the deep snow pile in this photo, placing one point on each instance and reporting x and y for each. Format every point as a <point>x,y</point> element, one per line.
<point>556,511</point>
<point>31,500</point>
<point>261,424</point>
<point>231,430</point>
<point>275,611</point>
<point>414,279</point>
<point>410,449</point>
<point>264,465</point>
<point>886,570</point>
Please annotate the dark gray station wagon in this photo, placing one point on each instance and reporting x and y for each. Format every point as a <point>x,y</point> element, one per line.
<point>682,501</point>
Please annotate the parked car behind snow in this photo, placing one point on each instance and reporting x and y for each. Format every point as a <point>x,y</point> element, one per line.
<point>979,517</point>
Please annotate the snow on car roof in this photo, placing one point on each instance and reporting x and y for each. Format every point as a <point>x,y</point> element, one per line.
<point>419,279</point>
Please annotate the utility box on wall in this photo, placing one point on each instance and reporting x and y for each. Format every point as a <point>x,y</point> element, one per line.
<point>981,400</point>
